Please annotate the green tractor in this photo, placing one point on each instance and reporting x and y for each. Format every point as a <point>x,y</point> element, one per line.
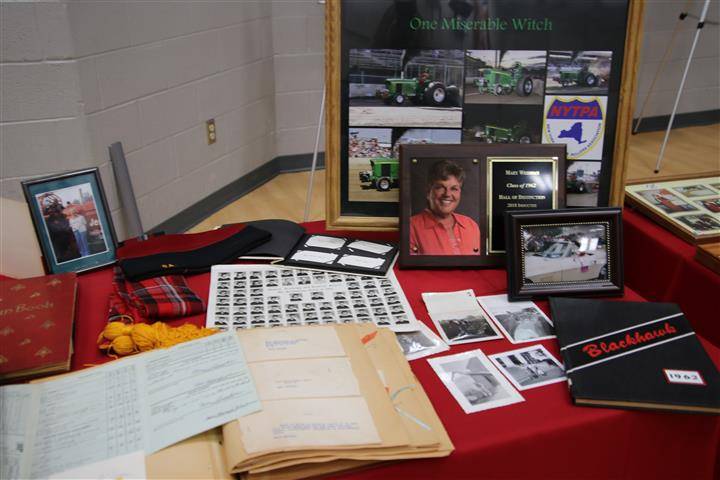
<point>494,134</point>
<point>384,173</point>
<point>503,82</point>
<point>576,75</point>
<point>420,91</point>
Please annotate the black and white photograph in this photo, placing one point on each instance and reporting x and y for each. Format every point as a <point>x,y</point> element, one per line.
<point>405,88</point>
<point>582,182</point>
<point>505,76</point>
<point>502,124</point>
<point>529,367</point>
<point>474,381</point>
<point>421,343</point>
<point>520,321</point>
<point>578,72</point>
<point>373,159</point>
<point>565,253</point>
<point>458,317</point>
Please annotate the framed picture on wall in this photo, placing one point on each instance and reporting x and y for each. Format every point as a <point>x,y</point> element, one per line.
<point>454,198</point>
<point>424,73</point>
<point>563,252</point>
<point>72,221</point>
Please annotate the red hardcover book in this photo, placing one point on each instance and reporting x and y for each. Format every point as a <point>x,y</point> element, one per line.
<point>36,325</point>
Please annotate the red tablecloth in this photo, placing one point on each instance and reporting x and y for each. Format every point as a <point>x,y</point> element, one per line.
<point>662,268</point>
<point>543,437</point>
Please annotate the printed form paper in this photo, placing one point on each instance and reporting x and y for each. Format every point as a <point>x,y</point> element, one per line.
<point>262,345</point>
<point>305,378</point>
<point>18,413</point>
<point>143,403</point>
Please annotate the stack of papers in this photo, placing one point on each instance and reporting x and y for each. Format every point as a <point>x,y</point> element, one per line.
<point>333,398</point>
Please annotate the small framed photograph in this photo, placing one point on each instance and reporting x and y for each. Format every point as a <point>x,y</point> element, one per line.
<point>564,252</point>
<point>453,199</point>
<point>520,321</point>
<point>474,381</point>
<point>72,222</point>
<point>529,367</point>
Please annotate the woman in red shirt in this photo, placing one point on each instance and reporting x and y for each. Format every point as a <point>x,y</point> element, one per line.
<point>438,230</point>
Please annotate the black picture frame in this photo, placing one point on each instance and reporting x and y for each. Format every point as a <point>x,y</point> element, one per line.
<point>548,256</point>
<point>61,207</point>
<point>478,202</point>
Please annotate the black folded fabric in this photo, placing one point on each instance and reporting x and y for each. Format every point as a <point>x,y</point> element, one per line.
<point>166,256</point>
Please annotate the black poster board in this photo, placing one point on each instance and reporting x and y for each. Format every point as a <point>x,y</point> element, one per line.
<point>494,71</point>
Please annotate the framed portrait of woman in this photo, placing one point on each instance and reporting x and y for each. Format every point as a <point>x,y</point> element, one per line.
<point>453,199</point>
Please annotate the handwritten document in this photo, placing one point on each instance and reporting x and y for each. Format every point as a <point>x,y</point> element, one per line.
<point>143,403</point>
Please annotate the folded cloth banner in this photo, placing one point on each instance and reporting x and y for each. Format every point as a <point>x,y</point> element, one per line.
<point>154,298</point>
<point>187,253</point>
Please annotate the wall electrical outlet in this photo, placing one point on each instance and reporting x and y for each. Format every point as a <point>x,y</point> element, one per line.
<point>211,132</point>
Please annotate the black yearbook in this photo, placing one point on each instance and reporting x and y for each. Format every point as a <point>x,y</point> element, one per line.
<point>634,355</point>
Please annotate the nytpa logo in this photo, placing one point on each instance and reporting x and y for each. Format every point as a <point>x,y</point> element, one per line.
<point>578,122</point>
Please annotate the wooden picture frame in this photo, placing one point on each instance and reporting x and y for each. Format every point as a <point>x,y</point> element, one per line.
<point>72,221</point>
<point>564,252</point>
<point>496,178</point>
<point>613,171</point>
<point>668,204</point>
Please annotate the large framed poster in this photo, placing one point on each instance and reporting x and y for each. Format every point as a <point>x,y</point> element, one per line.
<point>484,71</point>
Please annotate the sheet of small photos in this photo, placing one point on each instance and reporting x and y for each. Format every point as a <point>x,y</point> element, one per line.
<point>250,296</point>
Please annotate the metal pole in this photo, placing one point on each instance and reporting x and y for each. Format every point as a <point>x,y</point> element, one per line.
<point>700,25</point>
<point>308,198</point>
<point>125,191</point>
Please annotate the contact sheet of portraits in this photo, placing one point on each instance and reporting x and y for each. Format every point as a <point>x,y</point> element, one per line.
<point>484,71</point>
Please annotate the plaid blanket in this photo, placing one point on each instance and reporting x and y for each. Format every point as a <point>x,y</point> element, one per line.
<point>154,298</point>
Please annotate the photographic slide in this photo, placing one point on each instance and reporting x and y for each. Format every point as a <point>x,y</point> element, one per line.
<point>459,318</point>
<point>515,77</point>
<point>520,321</point>
<point>421,343</point>
<point>565,253</point>
<point>70,219</point>
<point>405,88</point>
<point>700,222</point>
<point>503,124</point>
<point>373,165</point>
<point>582,181</point>
<point>474,381</point>
<point>578,72</point>
<point>529,367</point>
<point>666,201</point>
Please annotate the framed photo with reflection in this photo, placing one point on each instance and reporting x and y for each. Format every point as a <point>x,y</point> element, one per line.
<point>564,252</point>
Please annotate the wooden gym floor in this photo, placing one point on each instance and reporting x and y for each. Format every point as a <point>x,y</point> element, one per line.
<point>690,150</point>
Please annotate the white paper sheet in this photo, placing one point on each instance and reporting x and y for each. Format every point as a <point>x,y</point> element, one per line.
<point>309,423</point>
<point>18,415</point>
<point>360,261</point>
<point>313,256</point>
<point>305,378</point>
<point>130,466</point>
<point>325,242</point>
<point>371,247</point>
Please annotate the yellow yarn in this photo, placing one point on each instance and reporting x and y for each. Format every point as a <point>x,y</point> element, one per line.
<point>122,339</point>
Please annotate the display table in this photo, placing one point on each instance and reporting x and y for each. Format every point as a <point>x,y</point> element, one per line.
<point>543,437</point>
<point>662,268</point>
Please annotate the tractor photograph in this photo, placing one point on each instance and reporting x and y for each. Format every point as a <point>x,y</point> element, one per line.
<point>576,75</point>
<point>504,82</point>
<point>495,134</point>
<point>419,91</point>
<point>383,175</point>
<point>505,76</point>
<point>580,72</point>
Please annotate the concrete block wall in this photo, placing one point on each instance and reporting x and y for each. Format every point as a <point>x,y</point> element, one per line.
<point>298,47</point>
<point>702,86</point>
